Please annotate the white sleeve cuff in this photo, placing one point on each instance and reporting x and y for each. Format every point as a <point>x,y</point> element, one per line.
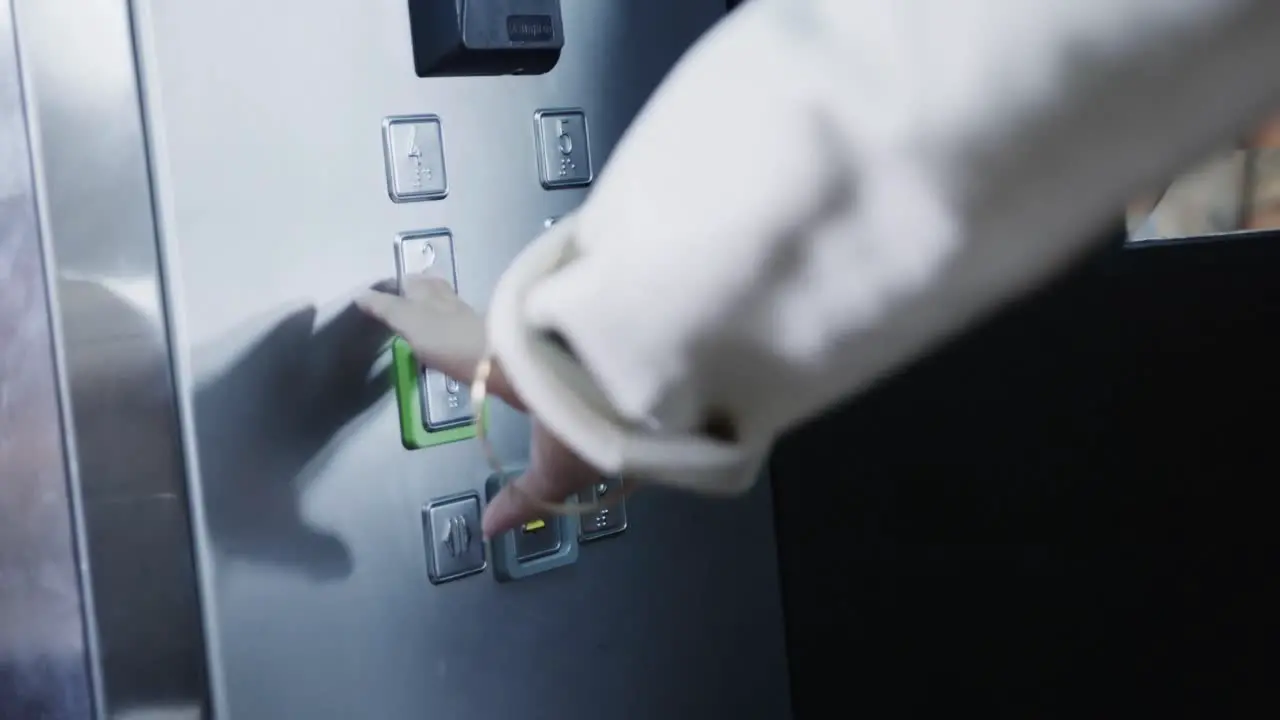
<point>564,396</point>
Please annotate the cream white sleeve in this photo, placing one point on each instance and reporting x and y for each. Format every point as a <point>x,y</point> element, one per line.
<point>824,189</point>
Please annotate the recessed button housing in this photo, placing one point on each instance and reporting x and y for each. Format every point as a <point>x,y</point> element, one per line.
<point>535,547</point>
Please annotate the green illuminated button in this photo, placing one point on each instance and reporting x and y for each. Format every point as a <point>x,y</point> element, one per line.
<point>415,430</point>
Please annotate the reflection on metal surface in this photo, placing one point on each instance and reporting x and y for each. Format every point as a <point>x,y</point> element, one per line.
<point>90,161</point>
<point>43,663</point>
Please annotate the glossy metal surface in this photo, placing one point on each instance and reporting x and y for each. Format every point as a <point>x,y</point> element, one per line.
<point>43,659</point>
<point>90,164</point>
<point>265,129</point>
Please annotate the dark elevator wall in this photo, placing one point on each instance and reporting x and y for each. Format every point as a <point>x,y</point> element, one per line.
<point>1062,514</point>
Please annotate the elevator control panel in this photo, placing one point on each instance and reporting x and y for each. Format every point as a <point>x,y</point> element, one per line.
<point>563,148</point>
<point>609,520</point>
<point>451,530</point>
<point>413,149</point>
<point>434,408</point>
<point>536,546</point>
<point>455,38</point>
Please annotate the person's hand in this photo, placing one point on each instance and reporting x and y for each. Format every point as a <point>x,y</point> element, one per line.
<point>553,474</point>
<point>448,335</point>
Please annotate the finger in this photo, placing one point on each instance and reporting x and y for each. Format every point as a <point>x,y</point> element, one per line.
<point>508,510</point>
<point>386,285</point>
<point>554,474</point>
<point>515,506</point>
<point>501,389</point>
<point>391,310</point>
<point>546,481</point>
<point>355,336</point>
<point>423,287</point>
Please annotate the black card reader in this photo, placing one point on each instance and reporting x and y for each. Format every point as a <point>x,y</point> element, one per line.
<point>457,38</point>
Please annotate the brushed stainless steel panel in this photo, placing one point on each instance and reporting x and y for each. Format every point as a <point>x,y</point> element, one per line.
<point>96,217</point>
<point>264,122</point>
<point>44,670</point>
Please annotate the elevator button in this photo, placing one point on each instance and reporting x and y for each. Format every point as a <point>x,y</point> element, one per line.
<point>537,539</point>
<point>413,150</point>
<point>451,527</point>
<point>446,403</point>
<point>607,521</point>
<point>536,546</point>
<point>445,408</point>
<point>563,146</point>
<point>425,252</point>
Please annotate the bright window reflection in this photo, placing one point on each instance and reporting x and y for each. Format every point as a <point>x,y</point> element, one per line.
<point>1232,191</point>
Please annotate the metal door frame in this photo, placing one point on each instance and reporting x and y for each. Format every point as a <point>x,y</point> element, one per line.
<point>44,647</point>
<point>92,195</point>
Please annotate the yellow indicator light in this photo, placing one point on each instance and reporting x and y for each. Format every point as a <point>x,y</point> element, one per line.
<point>534,526</point>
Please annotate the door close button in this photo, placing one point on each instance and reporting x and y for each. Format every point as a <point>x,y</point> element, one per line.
<point>455,548</point>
